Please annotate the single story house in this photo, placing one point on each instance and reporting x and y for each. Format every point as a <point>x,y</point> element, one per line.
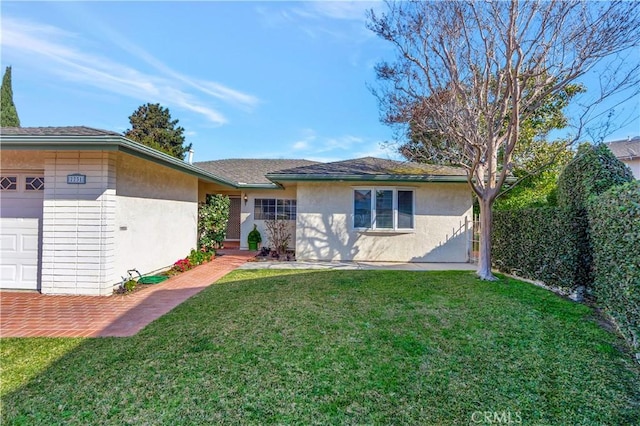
<point>81,206</point>
<point>628,151</point>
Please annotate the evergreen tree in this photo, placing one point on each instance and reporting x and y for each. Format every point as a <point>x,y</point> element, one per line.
<point>8,113</point>
<point>151,125</point>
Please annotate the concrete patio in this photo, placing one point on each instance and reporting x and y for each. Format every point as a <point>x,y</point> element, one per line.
<point>396,266</point>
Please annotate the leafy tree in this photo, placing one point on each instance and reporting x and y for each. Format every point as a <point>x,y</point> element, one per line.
<point>8,112</point>
<point>151,125</point>
<point>480,70</point>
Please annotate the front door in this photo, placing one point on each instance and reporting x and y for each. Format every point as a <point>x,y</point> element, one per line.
<point>233,226</point>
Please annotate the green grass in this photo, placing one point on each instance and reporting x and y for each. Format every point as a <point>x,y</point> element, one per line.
<point>335,347</point>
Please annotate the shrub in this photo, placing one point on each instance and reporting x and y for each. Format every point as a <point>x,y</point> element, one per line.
<point>536,244</point>
<point>198,257</point>
<point>279,234</point>
<point>213,216</point>
<point>593,170</point>
<point>182,265</point>
<point>614,221</point>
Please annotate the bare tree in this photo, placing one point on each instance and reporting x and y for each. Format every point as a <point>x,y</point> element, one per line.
<point>481,68</point>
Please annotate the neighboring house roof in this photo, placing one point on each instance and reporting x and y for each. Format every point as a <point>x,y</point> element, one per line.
<point>626,149</point>
<point>56,131</point>
<point>250,172</point>
<point>90,139</point>
<point>370,168</point>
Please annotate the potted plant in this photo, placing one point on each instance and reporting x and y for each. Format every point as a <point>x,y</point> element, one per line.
<point>254,238</point>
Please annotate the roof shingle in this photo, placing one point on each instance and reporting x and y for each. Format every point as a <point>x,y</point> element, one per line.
<point>370,166</point>
<point>625,149</point>
<point>249,171</point>
<point>56,131</point>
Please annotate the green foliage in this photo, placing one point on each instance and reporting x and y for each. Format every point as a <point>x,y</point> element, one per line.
<point>8,113</point>
<point>589,240</point>
<point>213,216</point>
<point>198,257</point>
<point>129,285</point>
<point>151,125</point>
<point>537,243</point>
<point>614,229</point>
<point>534,191</point>
<point>254,236</point>
<point>593,170</point>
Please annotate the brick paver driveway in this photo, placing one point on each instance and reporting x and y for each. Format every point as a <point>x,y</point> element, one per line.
<point>25,314</point>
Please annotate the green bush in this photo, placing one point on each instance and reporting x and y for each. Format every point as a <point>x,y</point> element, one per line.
<point>614,224</point>
<point>537,244</point>
<point>213,216</point>
<point>198,257</point>
<point>593,170</point>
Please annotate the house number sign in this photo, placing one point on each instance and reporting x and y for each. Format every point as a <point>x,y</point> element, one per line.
<point>76,179</point>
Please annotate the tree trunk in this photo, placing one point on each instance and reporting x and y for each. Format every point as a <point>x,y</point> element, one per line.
<point>486,220</point>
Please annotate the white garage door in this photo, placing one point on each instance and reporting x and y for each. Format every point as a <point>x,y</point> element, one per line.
<point>20,217</point>
<point>19,251</point>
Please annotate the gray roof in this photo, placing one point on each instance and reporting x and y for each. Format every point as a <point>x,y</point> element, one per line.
<point>89,139</point>
<point>56,131</point>
<point>370,168</point>
<point>625,149</point>
<point>249,171</point>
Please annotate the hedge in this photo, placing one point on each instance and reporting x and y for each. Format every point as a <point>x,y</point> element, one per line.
<point>538,243</point>
<point>593,170</point>
<point>614,226</point>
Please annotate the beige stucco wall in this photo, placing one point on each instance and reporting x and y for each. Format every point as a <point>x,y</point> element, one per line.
<point>156,215</point>
<point>247,216</point>
<point>324,227</point>
<point>247,208</point>
<point>634,164</point>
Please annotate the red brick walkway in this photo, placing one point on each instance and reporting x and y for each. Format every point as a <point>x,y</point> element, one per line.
<point>37,315</point>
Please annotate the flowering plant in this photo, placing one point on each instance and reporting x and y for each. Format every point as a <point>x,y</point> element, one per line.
<point>182,265</point>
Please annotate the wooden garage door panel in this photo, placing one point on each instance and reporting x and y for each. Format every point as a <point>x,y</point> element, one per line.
<point>19,253</point>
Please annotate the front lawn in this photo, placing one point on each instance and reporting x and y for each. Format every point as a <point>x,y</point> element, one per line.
<point>335,347</point>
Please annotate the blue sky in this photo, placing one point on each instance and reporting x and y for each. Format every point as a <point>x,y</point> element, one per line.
<point>245,79</point>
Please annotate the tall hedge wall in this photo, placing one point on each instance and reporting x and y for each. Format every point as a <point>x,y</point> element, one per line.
<point>614,226</point>
<point>538,243</point>
<point>591,239</point>
<point>593,170</point>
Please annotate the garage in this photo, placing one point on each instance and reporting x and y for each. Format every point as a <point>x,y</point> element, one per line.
<point>20,229</point>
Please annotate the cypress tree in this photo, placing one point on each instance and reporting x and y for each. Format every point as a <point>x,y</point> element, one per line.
<point>8,113</point>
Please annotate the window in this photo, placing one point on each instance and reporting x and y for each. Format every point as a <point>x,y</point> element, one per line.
<point>34,184</point>
<point>383,208</point>
<point>9,183</point>
<point>271,208</point>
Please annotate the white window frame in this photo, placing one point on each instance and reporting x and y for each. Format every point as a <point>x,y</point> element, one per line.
<point>394,190</point>
<point>276,200</point>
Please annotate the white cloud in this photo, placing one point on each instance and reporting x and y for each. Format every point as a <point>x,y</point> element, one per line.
<point>300,145</point>
<point>326,149</point>
<point>340,20</point>
<point>343,10</point>
<point>55,51</point>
